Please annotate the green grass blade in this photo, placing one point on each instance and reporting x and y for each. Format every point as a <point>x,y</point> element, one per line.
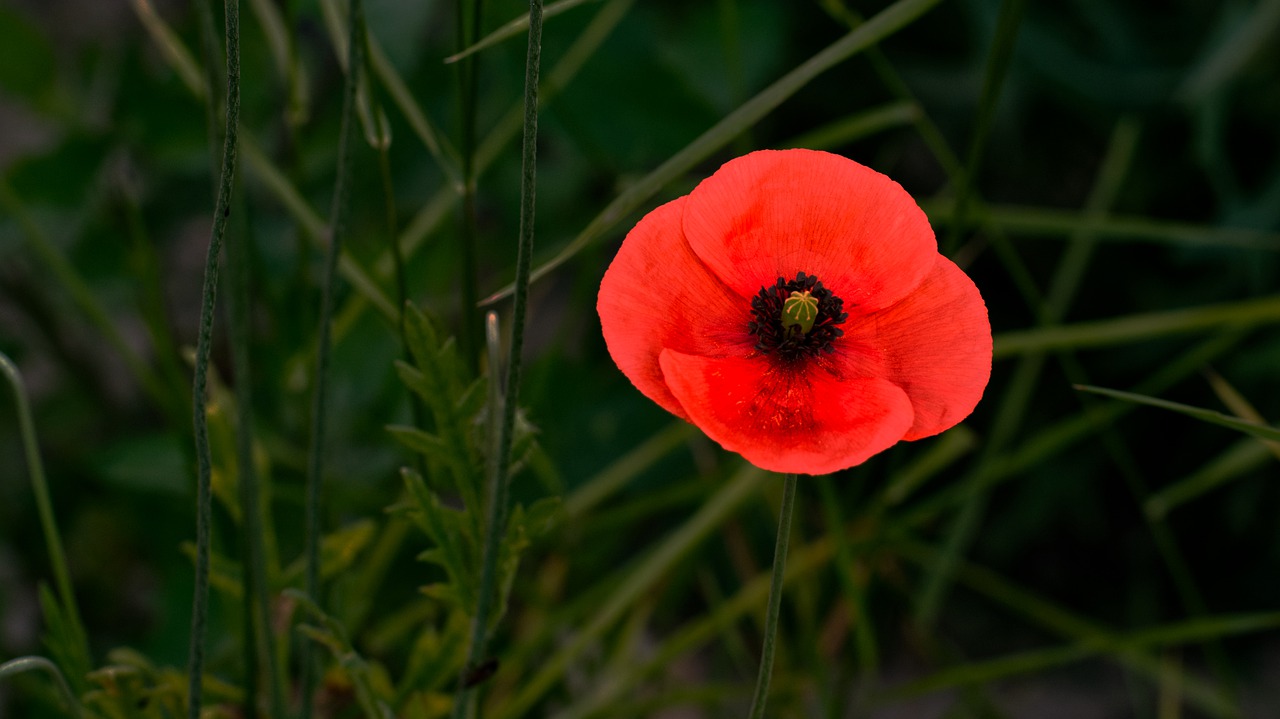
<point>172,47</point>
<point>1065,433</point>
<point>73,283</point>
<point>1253,429</point>
<point>1049,222</point>
<point>337,235</point>
<point>1135,328</point>
<point>1252,34</point>
<point>257,622</point>
<point>889,21</point>
<point>1244,456</point>
<point>857,126</point>
<point>614,477</point>
<point>1062,622</point>
<point>1018,394</point>
<point>514,28</point>
<point>314,228</point>
<point>633,585</point>
<point>997,67</point>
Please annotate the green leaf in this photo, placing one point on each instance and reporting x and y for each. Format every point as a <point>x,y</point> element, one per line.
<point>333,636</point>
<point>449,531</point>
<point>432,447</point>
<point>64,640</point>
<point>1260,431</point>
<point>435,658</point>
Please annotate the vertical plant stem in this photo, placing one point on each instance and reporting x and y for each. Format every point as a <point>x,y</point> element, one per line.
<point>402,285</point>
<point>258,614</point>
<point>337,232</point>
<point>44,506</point>
<point>775,599</point>
<point>204,469</point>
<point>468,86</point>
<point>497,490</point>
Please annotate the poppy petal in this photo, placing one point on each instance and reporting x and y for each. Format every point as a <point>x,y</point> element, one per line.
<point>772,214</point>
<point>810,422</point>
<point>935,344</point>
<point>658,294</point>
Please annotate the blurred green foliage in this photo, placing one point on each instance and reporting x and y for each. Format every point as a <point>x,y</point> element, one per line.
<point>1126,187</point>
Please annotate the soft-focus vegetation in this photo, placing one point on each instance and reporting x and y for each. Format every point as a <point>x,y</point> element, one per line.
<point>1108,173</point>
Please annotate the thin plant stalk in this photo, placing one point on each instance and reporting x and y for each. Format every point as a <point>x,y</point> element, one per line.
<point>204,465</point>
<point>337,232</point>
<point>257,602</point>
<point>468,89</point>
<point>44,506</point>
<point>501,465</point>
<point>761,695</point>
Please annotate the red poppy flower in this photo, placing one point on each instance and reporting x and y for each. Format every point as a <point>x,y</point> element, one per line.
<point>794,307</point>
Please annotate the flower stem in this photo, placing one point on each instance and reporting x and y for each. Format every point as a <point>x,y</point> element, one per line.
<point>204,465</point>
<point>775,599</point>
<point>501,464</point>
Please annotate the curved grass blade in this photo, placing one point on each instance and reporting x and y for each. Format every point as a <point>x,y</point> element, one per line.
<point>79,650</point>
<point>31,664</point>
<point>514,28</point>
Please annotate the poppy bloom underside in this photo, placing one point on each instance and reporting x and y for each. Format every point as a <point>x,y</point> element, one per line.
<point>675,311</point>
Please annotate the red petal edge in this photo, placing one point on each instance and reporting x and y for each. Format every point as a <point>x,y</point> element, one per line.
<point>657,294</point>
<point>810,422</point>
<point>935,344</point>
<point>771,213</point>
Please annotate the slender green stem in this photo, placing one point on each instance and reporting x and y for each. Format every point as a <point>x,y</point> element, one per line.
<point>501,466</point>
<point>337,232</point>
<point>402,284</point>
<point>468,236</point>
<point>775,599</point>
<point>204,498</point>
<point>44,506</point>
<point>257,603</point>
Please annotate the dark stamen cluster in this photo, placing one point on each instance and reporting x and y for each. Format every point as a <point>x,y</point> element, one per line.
<point>791,343</point>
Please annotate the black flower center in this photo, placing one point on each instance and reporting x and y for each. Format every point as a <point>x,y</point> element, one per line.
<point>785,323</point>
